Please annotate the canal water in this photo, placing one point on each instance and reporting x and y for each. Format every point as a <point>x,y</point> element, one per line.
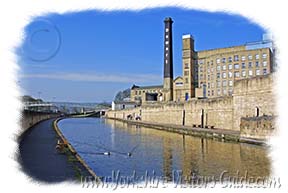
<point>140,151</point>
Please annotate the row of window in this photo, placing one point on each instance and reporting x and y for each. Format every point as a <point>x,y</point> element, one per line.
<point>235,58</point>
<point>235,66</point>
<point>150,91</point>
<point>166,46</point>
<point>218,84</point>
<point>224,92</point>
<point>236,74</point>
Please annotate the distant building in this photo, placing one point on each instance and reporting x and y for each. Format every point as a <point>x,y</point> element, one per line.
<point>213,72</point>
<point>120,105</point>
<point>206,73</point>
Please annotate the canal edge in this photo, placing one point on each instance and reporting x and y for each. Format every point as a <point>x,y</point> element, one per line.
<point>207,133</point>
<point>72,150</point>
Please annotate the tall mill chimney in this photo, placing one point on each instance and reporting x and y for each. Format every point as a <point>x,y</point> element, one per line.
<point>168,60</point>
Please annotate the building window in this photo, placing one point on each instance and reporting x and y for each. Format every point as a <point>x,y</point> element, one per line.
<point>208,92</point>
<point>166,36</point>
<point>250,57</point>
<point>201,62</point>
<point>230,59</point>
<point>208,85</point>
<point>218,68</point>
<point>166,48</point>
<point>236,74</point>
<point>250,64</point>
<point>201,76</point>
<point>264,56</point>
<point>208,76</point>
<point>264,71</point>
<point>236,66</point>
<point>212,92</point>
<point>223,60</point>
<point>230,67</point>
<point>218,92</point>
<point>264,63</point>
<point>218,75</point>
<point>179,83</point>
<point>208,70</point>
<point>243,58</point>
<point>218,84</point>
<point>212,84</point>
<point>250,73</point>
<point>257,72</point>
<point>230,83</point>
<point>224,67</point>
<point>212,69</point>
<point>230,91</point>
<point>224,83</point>
<point>224,75</point>
<point>186,66</point>
<point>186,53</point>
<point>186,73</point>
<point>186,96</point>
<point>236,58</point>
<point>201,68</point>
<point>186,80</point>
<point>243,65</point>
<point>212,77</point>
<point>224,91</point>
<point>243,73</point>
<point>257,64</point>
<point>166,42</point>
<point>167,29</point>
<point>230,74</point>
<point>257,56</point>
<point>218,61</point>
<point>166,61</point>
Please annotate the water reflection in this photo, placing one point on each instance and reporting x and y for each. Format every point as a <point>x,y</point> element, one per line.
<point>161,152</point>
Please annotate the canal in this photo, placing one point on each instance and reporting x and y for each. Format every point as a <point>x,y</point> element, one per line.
<point>144,151</point>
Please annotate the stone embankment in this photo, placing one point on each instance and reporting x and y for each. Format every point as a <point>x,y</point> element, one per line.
<point>31,118</point>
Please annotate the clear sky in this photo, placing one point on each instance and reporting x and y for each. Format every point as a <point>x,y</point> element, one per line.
<point>89,56</point>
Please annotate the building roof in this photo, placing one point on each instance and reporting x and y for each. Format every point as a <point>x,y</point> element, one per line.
<point>147,87</point>
<point>125,102</point>
<point>178,77</point>
<point>187,36</point>
<point>262,44</point>
<point>134,86</point>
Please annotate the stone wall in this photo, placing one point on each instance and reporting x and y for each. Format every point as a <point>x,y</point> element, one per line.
<point>253,93</point>
<point>257,127</point>
<point>216,112</point>
<point>222,112</point>
<point>30,118</point>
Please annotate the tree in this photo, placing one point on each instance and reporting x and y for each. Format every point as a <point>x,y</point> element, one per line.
<point>121,95</point>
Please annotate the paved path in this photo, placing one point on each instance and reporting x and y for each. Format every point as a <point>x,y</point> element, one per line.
<point>39,158</point>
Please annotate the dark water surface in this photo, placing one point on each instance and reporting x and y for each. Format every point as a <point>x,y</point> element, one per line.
<point>164,153</point>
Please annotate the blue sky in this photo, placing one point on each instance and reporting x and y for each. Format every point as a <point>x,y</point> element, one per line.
<point>89,56</point>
